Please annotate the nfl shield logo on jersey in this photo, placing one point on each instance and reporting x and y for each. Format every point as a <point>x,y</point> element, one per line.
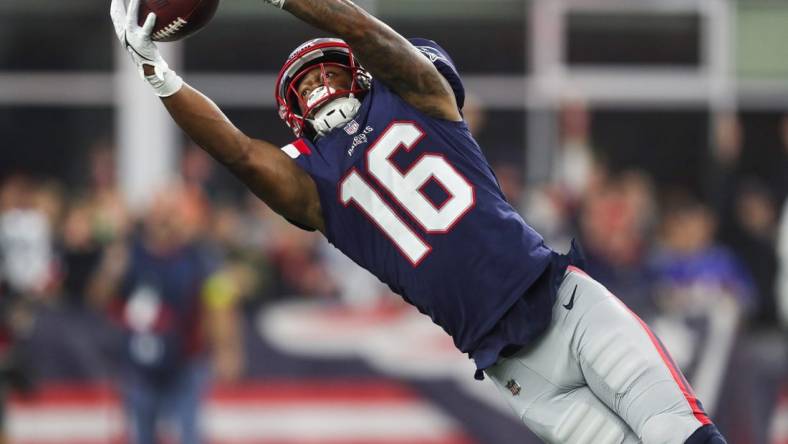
<point>513,387</point>
<point>351,128</point>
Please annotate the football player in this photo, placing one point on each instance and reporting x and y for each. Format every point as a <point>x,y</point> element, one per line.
<point>384,166</point>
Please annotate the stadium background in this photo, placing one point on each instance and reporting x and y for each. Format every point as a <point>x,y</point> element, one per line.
<point>654,131</point>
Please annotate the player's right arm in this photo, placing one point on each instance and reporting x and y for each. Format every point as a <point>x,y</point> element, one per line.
<point>264,168</point>
<point>267,171</point>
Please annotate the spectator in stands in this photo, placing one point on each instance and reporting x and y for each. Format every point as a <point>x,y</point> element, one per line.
<point>73,340</point>
<point>574,159</point>
<point>80,253</point>
<point>243,232</point>
<point>747,210</point>
<point>615,230</point>
<point>690,269</point>
<point>701,289</point>
<point>753,238</point>
<point>299,264</point>
<point>174,309</point>
<point>721,175</point>
<point>101,198</point>
<point>576,173</point>
<point>26,275</point>
<point>26,256</point>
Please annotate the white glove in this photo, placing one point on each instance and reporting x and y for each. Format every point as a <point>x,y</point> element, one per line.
<point>278,3</point>
<point>137,41</point>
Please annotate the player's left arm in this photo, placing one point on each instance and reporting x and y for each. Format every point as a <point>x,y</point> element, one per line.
<point>387,55</point>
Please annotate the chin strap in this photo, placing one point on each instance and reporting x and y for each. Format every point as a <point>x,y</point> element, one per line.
<point>334,114</point>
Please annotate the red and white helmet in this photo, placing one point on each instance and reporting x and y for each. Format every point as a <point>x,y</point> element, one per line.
<point>315,54</point>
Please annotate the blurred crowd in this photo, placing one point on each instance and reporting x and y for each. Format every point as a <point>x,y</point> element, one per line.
<point>158,298</point>
<point>673,248</point>
<point>155,299</point>
<point>706,266</point>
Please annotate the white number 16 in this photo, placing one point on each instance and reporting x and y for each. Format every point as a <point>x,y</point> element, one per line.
<point>405,187</point>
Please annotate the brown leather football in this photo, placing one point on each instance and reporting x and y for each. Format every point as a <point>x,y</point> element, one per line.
<point>177,19</point>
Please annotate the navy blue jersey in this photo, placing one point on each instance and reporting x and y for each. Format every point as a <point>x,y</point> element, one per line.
<point>412,199</point>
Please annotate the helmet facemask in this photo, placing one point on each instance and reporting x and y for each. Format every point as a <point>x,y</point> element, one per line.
<point>326,107</point>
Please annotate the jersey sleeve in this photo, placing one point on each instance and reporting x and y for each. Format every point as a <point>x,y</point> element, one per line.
<point>296,149</point>
<point>445,65</point>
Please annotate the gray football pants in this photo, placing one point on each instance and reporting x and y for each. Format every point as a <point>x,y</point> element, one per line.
<point>598,376</point>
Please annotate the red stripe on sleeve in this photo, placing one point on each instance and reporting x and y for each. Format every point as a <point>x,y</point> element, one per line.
<point>302,147</point>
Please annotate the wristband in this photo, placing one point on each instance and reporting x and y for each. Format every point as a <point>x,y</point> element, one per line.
<point>278,3</point>
<point>165,82</point>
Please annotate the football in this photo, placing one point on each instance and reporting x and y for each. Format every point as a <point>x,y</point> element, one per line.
<point>177,19</point>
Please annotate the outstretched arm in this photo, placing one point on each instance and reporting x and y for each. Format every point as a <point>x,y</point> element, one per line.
<point>264,168</point>
<point>384,53</point>
<point>268,172</point>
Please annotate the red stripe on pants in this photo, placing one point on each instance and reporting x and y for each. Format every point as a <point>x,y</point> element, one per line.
<point>684,386</point>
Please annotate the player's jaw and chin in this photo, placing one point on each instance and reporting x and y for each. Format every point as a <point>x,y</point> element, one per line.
<point>319,86</point>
